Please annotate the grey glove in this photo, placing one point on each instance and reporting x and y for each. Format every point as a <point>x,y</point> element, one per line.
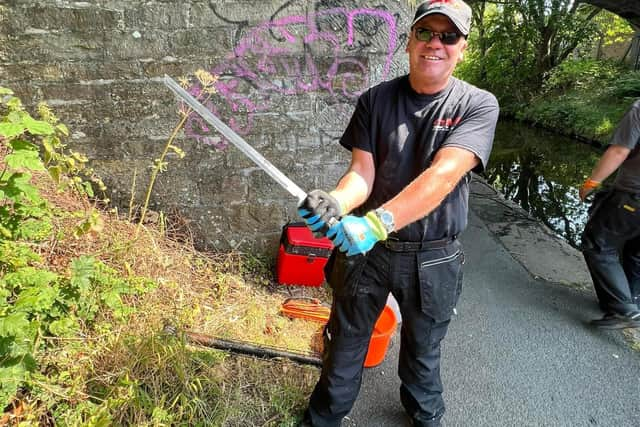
<point>320,210</point>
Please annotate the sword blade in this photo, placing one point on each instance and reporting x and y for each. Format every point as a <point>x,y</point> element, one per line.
<point>236,140</point>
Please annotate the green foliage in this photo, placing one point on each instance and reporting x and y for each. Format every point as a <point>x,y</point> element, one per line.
<point>23,138</point>
<point>626,85</point>
<point>36,303</point>
<point>514,45</point>
<point>583,97</point>
<point>612,28</point>
<point>582,74</point>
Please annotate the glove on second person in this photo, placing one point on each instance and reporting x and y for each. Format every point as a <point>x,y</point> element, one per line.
<point>318,209</point>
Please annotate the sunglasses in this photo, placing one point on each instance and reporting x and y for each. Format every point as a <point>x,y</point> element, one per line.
<point>426,35</point>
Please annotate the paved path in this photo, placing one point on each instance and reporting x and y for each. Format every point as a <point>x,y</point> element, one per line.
<point>520,351</point>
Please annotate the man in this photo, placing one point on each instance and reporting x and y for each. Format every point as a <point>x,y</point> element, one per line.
<point>611,238</point>
<point>413,141</point>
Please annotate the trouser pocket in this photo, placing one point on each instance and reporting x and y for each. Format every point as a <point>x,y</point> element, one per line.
<point>440,280</point>
<point>343,273</point>
<point>615,221</point>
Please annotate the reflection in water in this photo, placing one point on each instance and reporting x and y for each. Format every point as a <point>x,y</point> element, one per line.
<point>542,172</point>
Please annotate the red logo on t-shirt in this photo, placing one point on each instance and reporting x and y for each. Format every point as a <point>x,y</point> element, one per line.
<point>446,124</point>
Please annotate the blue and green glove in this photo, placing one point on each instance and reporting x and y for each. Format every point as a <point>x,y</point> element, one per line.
<point>357,234</point>
<point>320,210</point>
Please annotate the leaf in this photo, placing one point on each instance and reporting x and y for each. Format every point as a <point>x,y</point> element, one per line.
<point>11,377</point>
<point>19,184</point>
<point>82,269</point>
<point>37,299</point>
<point>54,172</point>
<point>79,157</point>
<point>13,325</point>
<point>88,189</point>
<point>63,129</point>
<point>5,91</point>
<point>64,327</point>
<point>25,159</point>
<point>37,127</point>
<point>30,277</point>
<point>21,144</point>
<point>112,299</point>
<point>178,151</point>
<point>4,231</point>
<point>11,130</point>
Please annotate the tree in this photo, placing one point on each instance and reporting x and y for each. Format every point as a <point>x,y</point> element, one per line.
<point>517,42</point>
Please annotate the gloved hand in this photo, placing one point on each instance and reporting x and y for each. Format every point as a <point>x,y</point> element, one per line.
<point>320,210</point>
<point>357,234</point>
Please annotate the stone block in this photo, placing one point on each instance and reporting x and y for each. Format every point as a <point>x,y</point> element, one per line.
<point>168,16</point>
<point>55,47</point>
<point>144,44</point>
<point>205,42</point>
<point>75,17</point>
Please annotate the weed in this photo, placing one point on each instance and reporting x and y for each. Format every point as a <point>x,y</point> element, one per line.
<point>81,314</point>
<point>207,89</point>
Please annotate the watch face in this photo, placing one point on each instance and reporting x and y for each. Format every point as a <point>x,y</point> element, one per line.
<point>386,218</point>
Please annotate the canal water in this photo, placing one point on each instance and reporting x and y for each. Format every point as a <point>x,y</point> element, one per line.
<point>542,171</point>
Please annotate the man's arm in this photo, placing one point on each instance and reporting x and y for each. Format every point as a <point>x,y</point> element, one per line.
<point>608,163</point>
<point>320,209</point>
<point>357,235</point>
<point>429,189</point>
<point>356,184</point>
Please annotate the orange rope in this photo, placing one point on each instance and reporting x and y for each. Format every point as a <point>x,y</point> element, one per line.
<point>311,309</point>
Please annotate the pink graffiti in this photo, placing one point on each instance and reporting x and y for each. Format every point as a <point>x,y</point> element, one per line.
<point>261,67</point>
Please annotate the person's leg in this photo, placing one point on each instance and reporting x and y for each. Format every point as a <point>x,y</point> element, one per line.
<point>426,297</point>
<point>631,264</point>
<point>604,235</point>
<point>358,300</point>
<point>421,389</point>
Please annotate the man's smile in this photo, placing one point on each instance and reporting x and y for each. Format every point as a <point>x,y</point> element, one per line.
<point>431,57</point>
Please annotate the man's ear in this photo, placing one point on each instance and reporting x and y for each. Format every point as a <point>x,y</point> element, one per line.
<point>462,49</point>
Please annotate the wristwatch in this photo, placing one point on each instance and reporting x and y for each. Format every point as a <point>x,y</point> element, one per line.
<point>386,218</point>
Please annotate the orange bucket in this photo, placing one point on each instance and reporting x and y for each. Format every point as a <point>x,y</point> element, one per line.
<point>382,332</point>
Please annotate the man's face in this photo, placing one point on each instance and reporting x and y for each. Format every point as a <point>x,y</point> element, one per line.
<point>431,63</point>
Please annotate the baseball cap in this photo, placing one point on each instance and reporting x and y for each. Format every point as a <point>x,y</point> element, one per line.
<point>456,10</point>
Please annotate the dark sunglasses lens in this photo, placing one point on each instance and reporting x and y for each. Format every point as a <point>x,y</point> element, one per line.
<point>425,35</point>
<point>449,38</point>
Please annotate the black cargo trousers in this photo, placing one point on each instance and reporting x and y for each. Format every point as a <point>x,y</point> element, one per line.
<point>426,281</point>
<point>611,248</point>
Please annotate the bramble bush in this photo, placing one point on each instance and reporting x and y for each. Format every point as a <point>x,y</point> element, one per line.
<point>36,303</point>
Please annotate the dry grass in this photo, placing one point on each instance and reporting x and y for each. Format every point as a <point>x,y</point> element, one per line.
<point>210,293</point>
<point>225,295</point>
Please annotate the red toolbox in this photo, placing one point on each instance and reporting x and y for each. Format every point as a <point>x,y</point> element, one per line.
<point>301,257</point>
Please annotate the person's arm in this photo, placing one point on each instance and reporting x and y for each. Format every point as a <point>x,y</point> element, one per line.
<point>429,189</point>
<point>608,163</point>
<point>357,235</point>
<point>320,210</point>
<point>354,187</point>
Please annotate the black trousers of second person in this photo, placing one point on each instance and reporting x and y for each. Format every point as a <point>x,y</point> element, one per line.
<point>611,248</point>
<point>426,283</point>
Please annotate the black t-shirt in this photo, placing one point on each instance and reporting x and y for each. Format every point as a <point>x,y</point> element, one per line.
<point>403,130</point>
<point>627,134</point>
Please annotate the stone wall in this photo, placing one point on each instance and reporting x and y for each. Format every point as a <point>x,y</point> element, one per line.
<point>289,75</point>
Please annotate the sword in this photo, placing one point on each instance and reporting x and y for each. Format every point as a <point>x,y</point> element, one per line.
<point>237,140</point>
